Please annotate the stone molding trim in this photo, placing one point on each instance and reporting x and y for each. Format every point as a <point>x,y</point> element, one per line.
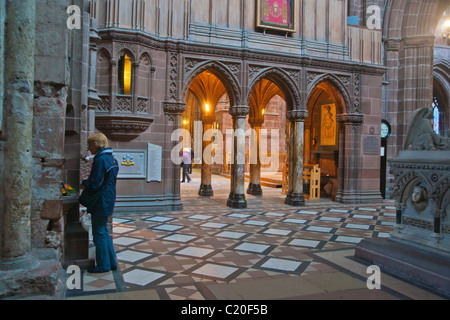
<point>135,36</point>
<point>354,118</point>
<point>239,111</point>
<point>122,127</point>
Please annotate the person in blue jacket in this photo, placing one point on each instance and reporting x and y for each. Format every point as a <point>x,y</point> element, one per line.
<point>103,176</point>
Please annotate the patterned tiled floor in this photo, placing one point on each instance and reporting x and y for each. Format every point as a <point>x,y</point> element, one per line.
<point>206,249</point>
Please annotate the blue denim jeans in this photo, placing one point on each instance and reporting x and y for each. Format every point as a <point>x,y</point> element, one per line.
<point>186,172</point>
<point>105,256</point>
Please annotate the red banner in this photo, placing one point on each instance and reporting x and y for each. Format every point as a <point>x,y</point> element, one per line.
<point>276,14</point>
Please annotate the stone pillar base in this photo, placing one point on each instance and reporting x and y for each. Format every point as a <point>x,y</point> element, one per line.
<point>296,200</point>
<point>237,201</point>
<point>254,189</point>
<point>37,275</point>
<point>417,263</point>
<point>205,191</point>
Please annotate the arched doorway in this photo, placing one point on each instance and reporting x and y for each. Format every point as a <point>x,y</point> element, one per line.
<point>202,99</point>
<point>322,136</point>
<point>267,115</point>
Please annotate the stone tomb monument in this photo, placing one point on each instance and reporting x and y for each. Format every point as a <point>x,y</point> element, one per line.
<point>419,247</point>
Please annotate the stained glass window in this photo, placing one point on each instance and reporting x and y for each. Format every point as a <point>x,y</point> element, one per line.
<point>436,116</point>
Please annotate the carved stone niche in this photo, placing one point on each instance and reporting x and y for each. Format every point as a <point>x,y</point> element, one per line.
<point>419,247</point>
<point>122,126</point>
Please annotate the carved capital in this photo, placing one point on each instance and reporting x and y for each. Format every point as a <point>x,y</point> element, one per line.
<point>297,115</point>
<point>240,111</point>
<point>174,108</point>
<point>353,118</point>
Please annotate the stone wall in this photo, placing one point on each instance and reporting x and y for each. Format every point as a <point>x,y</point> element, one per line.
<point>321,29</point>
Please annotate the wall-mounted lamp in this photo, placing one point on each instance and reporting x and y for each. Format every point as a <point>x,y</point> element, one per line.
<point>207,107</point>
<point>263,112</point>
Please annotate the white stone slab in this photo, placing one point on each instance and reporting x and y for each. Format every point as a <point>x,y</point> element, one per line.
<point>330,219</point>
<point>214,225</point>
<point>125,241</point>
<point>319,229</point>
<point>216,271</point>
<point>194,252</point>
<point>295,221</point>
<point>132,256</point>
<point>339,211</point>
<point>141,277</point>
<point>168,227</point>
<point>308,212</point>
<point>252,247</point>
<point>281,264</point>
<point>304,243</point>
<point>232,235</point>
<point>278,232</point>
<point>256,223</point>
<point>158,219</point>
<point>179,238</point>
<point>200,217</point>
<point>357,226</point>
<point>349,239</point>
<point>362,216</point>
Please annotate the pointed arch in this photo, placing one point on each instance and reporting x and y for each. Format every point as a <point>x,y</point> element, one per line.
<point>228,79</point>
<point>128,52</point>
<point>336,87</point>
<point>147,56</point>
<point>284,81</point>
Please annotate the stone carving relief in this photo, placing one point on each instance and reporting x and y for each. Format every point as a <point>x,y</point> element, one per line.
<point>420,134</point>
<point>419,198</point>
<point>235,68</point>
<point>311,76</point>
<point>357,97</point>
<point>173,76</point>
<point>253,71</point>
<point>190,64</point>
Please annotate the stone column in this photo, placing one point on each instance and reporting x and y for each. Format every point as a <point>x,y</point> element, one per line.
<point>237,193</point>
<point>113,93</point>
<point>173,110</point>
<point>19,80</point>
<point>205,186</point>
<point>93,98</point>
<point>350,160</point>
<point>134,85</point>
<point>254,187</point>
<point>296,154</point>
<point>288,161</point>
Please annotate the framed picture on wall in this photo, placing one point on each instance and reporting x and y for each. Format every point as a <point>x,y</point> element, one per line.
<point>277,14</point>
<point>328,126</point>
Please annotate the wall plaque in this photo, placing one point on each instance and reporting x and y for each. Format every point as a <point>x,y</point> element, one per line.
<point>372,145</point>
<point>277,14</point>
<point>132,164</point>
<point>154,173</point>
